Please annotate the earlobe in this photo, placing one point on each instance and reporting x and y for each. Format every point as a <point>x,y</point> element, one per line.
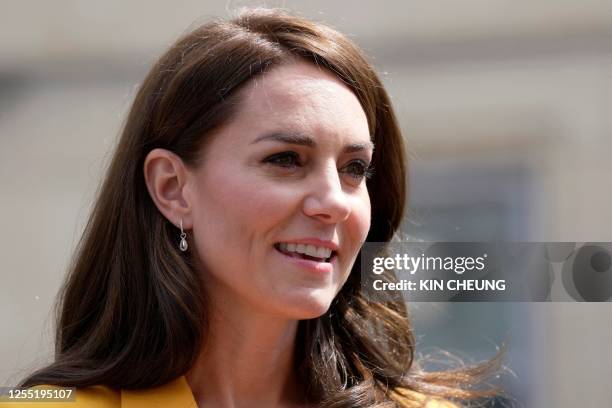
<point>166,176</point>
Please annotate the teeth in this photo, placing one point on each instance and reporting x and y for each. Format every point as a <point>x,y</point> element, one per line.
<point>310,250</point>
<point>323,252</point>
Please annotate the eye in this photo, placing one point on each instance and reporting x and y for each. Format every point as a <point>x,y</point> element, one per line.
<point>358,169</point>
<point>284,159</point>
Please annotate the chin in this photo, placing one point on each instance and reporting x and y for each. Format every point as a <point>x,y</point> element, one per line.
<point>307,307</point>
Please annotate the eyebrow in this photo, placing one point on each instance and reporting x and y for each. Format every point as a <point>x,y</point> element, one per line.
<point>303,140</point>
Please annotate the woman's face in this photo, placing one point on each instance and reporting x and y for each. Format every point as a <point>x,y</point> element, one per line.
<point>279,204</point>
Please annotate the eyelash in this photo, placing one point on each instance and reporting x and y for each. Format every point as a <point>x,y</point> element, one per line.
<point>279,159</point>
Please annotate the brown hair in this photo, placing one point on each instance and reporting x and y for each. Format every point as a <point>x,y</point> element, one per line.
<point>131,312</point>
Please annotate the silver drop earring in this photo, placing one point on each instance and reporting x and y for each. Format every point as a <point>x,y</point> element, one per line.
<point>183,245</point>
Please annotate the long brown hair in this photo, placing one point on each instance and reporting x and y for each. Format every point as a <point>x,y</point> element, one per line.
<point>132,313</point>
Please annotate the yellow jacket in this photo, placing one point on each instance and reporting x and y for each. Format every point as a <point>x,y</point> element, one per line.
<point>175,394</point>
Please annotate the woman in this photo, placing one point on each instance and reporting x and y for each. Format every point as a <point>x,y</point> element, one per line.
<point>220,264</point>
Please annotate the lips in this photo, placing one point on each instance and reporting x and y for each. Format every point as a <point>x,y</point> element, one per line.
<point>306,251</point>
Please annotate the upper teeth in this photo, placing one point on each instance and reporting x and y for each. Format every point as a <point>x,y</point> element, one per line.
<point>310,250</point>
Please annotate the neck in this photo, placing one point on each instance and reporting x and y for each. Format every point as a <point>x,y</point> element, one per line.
<point>247,360</point>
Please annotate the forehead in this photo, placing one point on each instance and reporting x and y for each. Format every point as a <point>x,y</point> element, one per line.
<point>304,97</point>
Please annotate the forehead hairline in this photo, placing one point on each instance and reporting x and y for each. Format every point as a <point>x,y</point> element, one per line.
<point>313,77</point>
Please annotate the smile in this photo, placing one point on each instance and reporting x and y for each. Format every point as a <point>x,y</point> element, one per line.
<point>306,251</point>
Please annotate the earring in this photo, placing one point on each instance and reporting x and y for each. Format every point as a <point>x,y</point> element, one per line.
<point>183,245</point>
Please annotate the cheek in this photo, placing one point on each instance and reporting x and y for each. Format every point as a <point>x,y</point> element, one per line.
<point>225,207</point>
<point>233,210</point>
<point>357,227</point>
<point>362,214</point>
<point>224,233</point>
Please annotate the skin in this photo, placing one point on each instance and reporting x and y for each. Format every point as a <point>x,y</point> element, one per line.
<point>252,191</point>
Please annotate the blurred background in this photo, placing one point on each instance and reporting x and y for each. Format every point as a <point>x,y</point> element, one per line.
<point>505,106</point>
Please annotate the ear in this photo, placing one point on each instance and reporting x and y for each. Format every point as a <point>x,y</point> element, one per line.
<point>166,178</point>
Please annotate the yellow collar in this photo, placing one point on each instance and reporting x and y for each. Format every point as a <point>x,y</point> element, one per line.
<point>176,394</point>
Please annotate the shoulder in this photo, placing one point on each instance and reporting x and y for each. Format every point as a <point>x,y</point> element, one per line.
<point>438,403</point>
<point>175,393</point>
<point>98,396</point>
<point>409,399</point>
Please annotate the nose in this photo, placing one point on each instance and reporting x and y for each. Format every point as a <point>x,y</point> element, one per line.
<point>326,199</point>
